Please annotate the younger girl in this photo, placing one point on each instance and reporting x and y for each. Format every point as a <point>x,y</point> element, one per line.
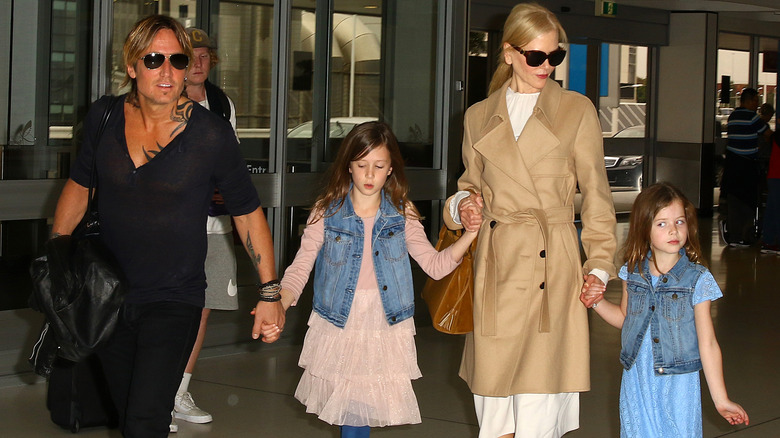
<point>359,355</point>
<point>667,332</point>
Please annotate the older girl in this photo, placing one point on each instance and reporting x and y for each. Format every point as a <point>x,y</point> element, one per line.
<point>359,355</point>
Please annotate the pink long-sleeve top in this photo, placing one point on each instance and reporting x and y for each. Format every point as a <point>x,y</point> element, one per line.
<point>435,264</point>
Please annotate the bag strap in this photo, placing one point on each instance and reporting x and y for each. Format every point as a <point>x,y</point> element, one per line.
<point>103,122</point>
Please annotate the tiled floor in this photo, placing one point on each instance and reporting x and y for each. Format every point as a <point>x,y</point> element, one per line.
<point>250,393</point>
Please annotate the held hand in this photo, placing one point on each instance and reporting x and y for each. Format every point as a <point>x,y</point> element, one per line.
<point>732,412</point>
<point>470,211</point>
<point>267,314</point>
<point>592,290</point>
<point>271,332</point>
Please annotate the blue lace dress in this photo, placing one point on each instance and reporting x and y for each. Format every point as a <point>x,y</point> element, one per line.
<point>654,406</point>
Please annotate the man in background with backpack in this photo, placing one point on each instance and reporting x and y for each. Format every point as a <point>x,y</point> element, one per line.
<point>221,289</point>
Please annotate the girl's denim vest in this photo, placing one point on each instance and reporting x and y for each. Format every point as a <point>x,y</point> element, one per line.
<point>338,263</point>
<point>668,309</point>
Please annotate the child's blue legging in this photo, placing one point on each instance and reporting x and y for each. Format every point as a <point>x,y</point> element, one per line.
<point>355,432</point>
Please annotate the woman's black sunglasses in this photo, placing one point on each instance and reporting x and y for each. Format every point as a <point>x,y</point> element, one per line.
<point>535,58</point>
<point>153,60</point>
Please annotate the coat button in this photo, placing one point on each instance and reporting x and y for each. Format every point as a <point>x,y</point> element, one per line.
<point>541,286</point>
<point>376,253</point>
<point>674,296</point>
<point>391,234</point>
<point>542,254</point>
<point>384,287</point>
<point>493,224</point>
<point>652,308</point>
<point>660,370</point>
<point>392,319</point>
<point>664,280</point>
<point>656,340</point>
<point>338,238</point>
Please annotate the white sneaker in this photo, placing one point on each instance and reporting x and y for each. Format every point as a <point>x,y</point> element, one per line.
<point>722,232</point>
<point>185,409</point>
<point>173,428</point>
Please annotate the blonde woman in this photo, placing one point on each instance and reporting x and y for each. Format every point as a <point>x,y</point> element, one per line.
<point>526,148</point>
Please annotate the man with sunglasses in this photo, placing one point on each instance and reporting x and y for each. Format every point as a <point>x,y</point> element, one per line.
<point>158,162</point>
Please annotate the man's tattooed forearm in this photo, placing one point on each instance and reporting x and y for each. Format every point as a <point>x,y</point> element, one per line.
<point>151,153</point>
<point>181,114</point>
<point>251,250</point>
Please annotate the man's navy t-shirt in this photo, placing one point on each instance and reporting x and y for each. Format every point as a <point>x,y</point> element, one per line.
<point>153,218</point>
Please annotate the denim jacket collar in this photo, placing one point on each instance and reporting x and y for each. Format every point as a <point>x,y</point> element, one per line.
<point>386,208</point>
<point>677,270</point>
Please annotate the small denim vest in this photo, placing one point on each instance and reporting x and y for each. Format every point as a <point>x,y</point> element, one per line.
<point>338,263</point>
<point>668,309</point>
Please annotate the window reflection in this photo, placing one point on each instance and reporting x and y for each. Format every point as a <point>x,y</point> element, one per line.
<point>623,91</point>
<point>373,76</point>
<point>767,73</point>
<point>733,74</point>
<point>245,45</point>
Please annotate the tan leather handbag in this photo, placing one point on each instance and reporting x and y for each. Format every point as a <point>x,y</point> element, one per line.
<point>451,299</point>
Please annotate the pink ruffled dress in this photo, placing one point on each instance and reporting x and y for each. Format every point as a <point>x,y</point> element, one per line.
<point>361,375</point>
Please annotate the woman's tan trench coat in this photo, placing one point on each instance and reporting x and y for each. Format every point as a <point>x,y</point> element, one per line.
<point>530,329</point>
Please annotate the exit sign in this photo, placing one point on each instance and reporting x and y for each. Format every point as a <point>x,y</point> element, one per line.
<point>606,8</point>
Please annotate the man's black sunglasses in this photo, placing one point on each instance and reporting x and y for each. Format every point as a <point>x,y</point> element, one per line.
<point>535,58</point>
<point>153,60</point>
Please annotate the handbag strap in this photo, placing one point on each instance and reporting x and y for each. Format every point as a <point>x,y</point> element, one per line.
<point>102,127</point>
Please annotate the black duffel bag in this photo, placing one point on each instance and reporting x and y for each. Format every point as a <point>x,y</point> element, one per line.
<point>78,285</point>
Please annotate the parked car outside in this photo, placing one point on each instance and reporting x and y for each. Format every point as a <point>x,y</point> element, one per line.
<point>722,117</point>
<point>339,127</point>
<point>626,170</point>
<point>300,144</point>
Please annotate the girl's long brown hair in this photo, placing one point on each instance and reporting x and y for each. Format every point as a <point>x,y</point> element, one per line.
<point>363,139</point>
<point>649,202</point>
<point>525,22</point>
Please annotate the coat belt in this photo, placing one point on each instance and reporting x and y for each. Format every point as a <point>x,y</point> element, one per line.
<point>542,217</point>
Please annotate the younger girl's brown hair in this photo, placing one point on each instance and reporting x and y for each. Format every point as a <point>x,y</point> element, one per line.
<point>363,139</point>
<point>646,206</point>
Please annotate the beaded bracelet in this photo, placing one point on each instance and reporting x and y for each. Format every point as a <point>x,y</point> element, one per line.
<point>271,299</point>
<point>270,287</point>
<point>270,291</point>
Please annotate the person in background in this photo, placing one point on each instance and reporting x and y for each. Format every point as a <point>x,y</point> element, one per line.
<point>221,289</point>
<point>359,355</point>
<point>766,111</point>
<point>526,148</point>
<point>660,392</point>
<point>771,231</point>
<point>157,165</point>
<point>742,171</point>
